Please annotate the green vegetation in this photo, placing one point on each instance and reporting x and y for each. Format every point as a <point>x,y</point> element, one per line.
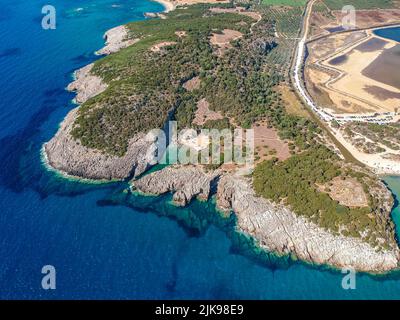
<point>294,182</point>
<point>387,135</point>
<point>293,3</point>
<point>145,89</point>
<point>360,4</point>
<point>286,22</point>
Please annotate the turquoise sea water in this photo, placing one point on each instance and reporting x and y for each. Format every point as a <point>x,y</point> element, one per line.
<point>103,242</point>
<point>389,33</point>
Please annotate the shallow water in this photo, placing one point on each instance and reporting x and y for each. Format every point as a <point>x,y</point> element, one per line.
<point>103,242</point>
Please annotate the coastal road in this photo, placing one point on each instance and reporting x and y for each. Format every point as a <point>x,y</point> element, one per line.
<point>297,79</point>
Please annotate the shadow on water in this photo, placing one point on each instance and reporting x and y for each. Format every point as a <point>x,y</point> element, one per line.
<point>56,92</point>
<point>195,219</point>
<point>83,59</point>
<point>10,52</point>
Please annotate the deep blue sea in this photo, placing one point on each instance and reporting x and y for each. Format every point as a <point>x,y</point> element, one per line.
<point>103,242</point>
<point>389,33</point>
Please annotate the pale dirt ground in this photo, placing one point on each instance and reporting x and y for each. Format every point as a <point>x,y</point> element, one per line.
<point>330,45</point>
<point>318,76</point>
<point>378,162</point>
<point>192,84</point>
<point>267,139</point>
<point>347,192</point>
<point>172,4</point>
<point>203,113</point>
<point>291,102</point>
<point>223,40</point>
<point>180,34</point>
<point>352,83</point>
<point>239,10</point>
<point>157,47</point>
<point>364,19</point>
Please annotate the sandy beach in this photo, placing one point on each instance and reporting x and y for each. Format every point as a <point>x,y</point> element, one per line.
<point>376,162</point>
<point>168,5</point>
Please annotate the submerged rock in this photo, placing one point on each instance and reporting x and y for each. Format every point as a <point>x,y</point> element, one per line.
<point>278,229</point>
<point>186,182</point>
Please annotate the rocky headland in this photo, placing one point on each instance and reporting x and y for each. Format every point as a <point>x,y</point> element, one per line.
<point>116,39</point>
<point>69,156</point>
<point>86,85</point>
<point>186,183</point>
<point>275,227</point>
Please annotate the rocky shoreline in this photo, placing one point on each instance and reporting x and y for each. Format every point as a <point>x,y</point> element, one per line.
<point>70,157</point>
<point>86,85</point>
<point>274,227</point>
<point>116,39</point>
<point>67,155</point>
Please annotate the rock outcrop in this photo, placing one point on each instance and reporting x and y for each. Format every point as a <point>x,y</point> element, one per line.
<point>186,182</point>
<point>278,229</point>
<point>68,155</point>
<point>275,228</point>
<point>86,85</point>
<point>116,39</point>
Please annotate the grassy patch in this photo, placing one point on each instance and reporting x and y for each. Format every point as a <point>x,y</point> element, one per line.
<point>291,3</point>
<point>360,4</point>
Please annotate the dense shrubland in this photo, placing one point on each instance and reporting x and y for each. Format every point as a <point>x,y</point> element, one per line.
<point>145,88</point>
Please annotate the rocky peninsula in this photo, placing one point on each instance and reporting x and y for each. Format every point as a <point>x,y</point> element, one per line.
<point>275,227</point>
<point>68,155</point>
<point>116,39</point>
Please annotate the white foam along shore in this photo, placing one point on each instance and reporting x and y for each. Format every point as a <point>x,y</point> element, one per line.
<point>71,159</point>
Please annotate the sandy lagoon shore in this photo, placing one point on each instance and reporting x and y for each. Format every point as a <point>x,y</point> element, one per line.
<point>257,217</point>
